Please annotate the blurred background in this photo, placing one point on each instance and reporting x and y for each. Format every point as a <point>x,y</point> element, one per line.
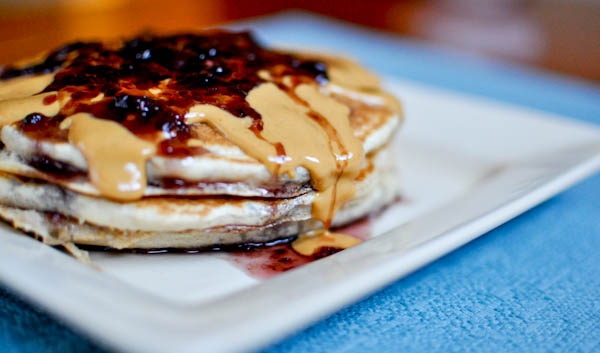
<point>558,35</point>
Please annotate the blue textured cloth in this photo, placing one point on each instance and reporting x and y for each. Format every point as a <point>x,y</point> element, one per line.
<point>532,284</point>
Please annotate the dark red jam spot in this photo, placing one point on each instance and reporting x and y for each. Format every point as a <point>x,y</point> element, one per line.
<point>54,168</point>
<point>325,251</point>
<point>50,99</point>
<point>218,68</point>
<point>266,262</point>
<point>32,119</point>
<point>52,63</point>
<point>55,217</point>
<point>43,127</point>
<point>173,183</point>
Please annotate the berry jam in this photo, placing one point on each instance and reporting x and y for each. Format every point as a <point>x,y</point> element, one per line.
<point>269,260</point>
<point>150,82</point>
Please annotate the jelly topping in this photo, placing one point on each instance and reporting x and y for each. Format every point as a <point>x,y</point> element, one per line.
<point>149,83</point>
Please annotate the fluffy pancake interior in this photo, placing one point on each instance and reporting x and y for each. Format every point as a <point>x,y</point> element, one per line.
<point>212,222</point>
<point>184,213</point>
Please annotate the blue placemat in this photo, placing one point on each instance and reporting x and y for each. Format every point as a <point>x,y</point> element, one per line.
<point>532,284</point>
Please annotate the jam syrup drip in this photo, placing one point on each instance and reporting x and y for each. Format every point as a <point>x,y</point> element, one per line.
<point>269,260</point>
<point>150,82</point>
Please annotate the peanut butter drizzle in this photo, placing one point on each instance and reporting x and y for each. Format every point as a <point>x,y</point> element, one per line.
<point>347,74</point>
<point>236,130</point>
<point>347,149</point>
<point>116,158</point>
<point>311,242</point>
<point>331,153</point>
<point>16,109</point>
<point>20,87</point>
<point>305,143</point>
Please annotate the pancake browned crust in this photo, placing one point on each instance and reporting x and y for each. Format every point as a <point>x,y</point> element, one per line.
<point>193,140</point>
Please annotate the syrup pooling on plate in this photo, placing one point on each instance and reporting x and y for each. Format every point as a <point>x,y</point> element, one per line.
<point>274,106</point>
<point>266,261</point>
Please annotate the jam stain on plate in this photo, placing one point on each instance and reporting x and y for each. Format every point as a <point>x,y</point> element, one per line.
<point>266,261</point>
<point>262,261</point>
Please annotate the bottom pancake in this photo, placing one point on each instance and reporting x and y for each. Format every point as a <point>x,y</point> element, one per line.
<point>55,229</point>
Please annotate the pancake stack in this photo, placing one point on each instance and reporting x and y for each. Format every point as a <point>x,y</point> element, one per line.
<point>190,141</point>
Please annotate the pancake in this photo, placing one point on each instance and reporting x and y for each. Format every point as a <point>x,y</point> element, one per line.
<point>153,223</point>
<point>192,141</point>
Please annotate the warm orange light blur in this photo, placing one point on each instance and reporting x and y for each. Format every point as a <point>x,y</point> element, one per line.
<point>559,35</point>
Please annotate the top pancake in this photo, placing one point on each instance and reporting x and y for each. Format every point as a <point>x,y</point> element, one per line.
<point>150,85</point>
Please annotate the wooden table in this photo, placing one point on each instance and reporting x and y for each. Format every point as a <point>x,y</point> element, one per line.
<point>563,36</point>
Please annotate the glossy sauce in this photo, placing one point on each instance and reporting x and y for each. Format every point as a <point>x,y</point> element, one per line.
<point>55,169</point>
<point>118,173</point>
<point>263,262</point>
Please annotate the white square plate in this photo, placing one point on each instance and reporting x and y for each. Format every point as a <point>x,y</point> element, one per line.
<point>468,164</point>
